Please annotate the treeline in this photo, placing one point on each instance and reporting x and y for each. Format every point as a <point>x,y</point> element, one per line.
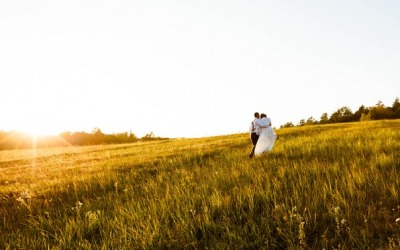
<point>18,140</point>
<point>344,114</point>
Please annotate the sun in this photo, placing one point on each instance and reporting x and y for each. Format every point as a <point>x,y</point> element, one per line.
<point>37,119</point>
<point>38,129</point>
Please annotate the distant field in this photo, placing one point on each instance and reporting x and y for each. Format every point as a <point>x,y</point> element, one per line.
<point>326,186</point>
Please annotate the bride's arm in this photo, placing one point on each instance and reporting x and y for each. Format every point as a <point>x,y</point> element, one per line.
<point>269,122</point>
<point>262,123</point>
<point>258,123</point>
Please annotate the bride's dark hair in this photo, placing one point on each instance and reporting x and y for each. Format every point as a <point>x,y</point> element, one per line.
<point>263,115</point>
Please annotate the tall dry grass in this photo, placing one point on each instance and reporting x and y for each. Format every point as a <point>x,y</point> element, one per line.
<point>333,187</point>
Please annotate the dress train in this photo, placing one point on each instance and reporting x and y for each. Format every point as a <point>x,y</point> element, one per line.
<point>266,141</point>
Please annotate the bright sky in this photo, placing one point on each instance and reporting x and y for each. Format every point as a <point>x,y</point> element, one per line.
<point>191,68</point>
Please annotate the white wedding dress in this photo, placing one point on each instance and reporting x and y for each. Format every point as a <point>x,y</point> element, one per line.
<point>267,137</point>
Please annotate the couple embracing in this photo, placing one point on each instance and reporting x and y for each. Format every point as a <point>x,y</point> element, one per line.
<point>262,135</point>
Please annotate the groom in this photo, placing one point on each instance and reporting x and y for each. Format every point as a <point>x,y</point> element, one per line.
<point>254,133</point>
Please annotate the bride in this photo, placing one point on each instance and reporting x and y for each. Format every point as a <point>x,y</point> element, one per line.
<point>267,135</point>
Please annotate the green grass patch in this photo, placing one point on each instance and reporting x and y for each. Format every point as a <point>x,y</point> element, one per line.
<point>325,186</point>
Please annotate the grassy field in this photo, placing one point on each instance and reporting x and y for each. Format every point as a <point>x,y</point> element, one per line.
<point>322,187</point>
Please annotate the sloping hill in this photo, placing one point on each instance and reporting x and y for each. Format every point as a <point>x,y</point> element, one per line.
<point>332,186</point>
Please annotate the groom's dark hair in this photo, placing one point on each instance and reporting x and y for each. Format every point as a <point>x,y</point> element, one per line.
<point>256,114</point>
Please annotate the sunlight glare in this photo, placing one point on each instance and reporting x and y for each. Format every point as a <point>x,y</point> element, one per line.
<point>36,131</point>
<point>38,128</point>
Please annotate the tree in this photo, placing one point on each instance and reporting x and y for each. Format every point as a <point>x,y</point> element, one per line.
<point>365,117</point>
<point>287,125</point>
<point>324,119</point>
<point>396,108</point>
<point>362,110</point>
<point>380,104</point>
<point>149,136</point>
<point>97,131</point>
<point>396,104</point>
<point>343,114</point>
<point>132,136</point>
<point>379,112</point>
<point>311,121</point>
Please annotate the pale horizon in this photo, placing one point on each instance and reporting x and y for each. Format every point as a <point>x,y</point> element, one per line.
<point>191,69</point>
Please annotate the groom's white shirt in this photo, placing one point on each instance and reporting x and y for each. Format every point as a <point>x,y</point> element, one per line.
<point>253,126</point>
